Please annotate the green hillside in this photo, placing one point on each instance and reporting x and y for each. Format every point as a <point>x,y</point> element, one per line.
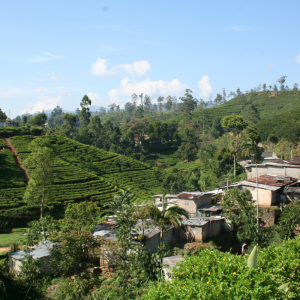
<point>81,172</point>
<point>268,104</point>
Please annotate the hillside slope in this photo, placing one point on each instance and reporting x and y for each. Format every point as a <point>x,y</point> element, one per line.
<point>81,172</point>
<point>268,104</point>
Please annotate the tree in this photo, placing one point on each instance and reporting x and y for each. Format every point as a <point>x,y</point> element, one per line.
<point>85,113</point>
<point>273,138</point>
<point>281,81</point>
<point>24,119</point>
<point>169,103</point>
<point>238,92</point>
<point>187,151</point>
<point>188,104</point>
<point>3,115</point>
<point>119,200</point>
<point>56,116</point>
<point>160,101</point>
<point>236,124</point>
<point>239,208</point>
<point>295,87</point>
<point>168,216</point>
<point>71,255</point>
<point>218,99</point>
<point>80,216</point>
<point>223,96</point>
<point>129,107</point>
<point>39,119</point>
<point>70,119</point>
<point>264,86</point>
<point>275,88</point>
<point>39,163</point>
<point>147,104</point>
<point>134,98</point>
<point>290,220</point>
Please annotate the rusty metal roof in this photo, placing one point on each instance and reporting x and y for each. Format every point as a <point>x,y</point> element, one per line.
<point>210,208</point>
<point>279,181</point>
<point>190,195</point>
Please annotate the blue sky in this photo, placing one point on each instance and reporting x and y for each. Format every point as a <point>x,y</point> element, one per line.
<point>54,52</point>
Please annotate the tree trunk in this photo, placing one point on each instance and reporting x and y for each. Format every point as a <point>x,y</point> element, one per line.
<point>234,164</point>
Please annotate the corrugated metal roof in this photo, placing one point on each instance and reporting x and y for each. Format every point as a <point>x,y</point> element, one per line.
<point>274,180</point>
<point>190,195</point>
<point>194,222</point>
<point>252,184</point>
<point>37,252</point>
<point>210,207</point>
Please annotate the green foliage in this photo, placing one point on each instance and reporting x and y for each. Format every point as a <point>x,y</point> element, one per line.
<point>71,256</point>
<point>290,220</point>
<point>80,216</point>
<point>239,208</point>
<point>218,275</point>
<point>10,175</point>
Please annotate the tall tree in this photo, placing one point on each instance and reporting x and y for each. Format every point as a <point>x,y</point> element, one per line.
<point>281,81</point>
<point>235,124</point>
<point>169,103</point>
<point>188,104</point>
<point>3,115</point>
<point>85,113</point>
<point>39,119</point>
<point>39,164</point>
<point>160,101</point>
<point>134,98</point>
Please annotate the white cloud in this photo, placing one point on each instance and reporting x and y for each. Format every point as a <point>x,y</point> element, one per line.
<point>43,103</point>
<point>154,89</point>
<point>137,68</point>
<point>241,28</point>
<point>205,86</point>
<point>297,59</point>
<point>96,100</point>
<point>99,68</point>
<point>42,58</point>
<point>270,66</point>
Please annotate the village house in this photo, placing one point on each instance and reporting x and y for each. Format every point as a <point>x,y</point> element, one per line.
<point>202,228</point>
<point>192,201</point>
<point>270,188</point>
<point>277,167</point>
<point>40,252</point>
<point>169,197</point>
<point>210,210</point>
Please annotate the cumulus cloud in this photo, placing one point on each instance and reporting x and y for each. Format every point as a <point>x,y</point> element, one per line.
<point>154,89</point>
<point>43,103</point>
<point>137,68</point>
<point>96,100</point>
<point>297,59</point>
<point>205,86</point>
<point>99,68</point>
<point>270,66</point>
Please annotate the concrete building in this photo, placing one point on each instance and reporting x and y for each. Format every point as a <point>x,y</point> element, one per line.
<point>40,252</point>
<point>202,228</point>
<point>210,210</point>
<point>169,198</point>
<point>192,201</point>
<point>286,168</point>
<point>270,188</point>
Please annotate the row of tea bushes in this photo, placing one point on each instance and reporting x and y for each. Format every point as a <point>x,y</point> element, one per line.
<point>10,175</point>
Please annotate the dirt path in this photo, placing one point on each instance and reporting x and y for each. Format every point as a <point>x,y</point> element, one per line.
<point>17,158</point>
<point>4,249</point>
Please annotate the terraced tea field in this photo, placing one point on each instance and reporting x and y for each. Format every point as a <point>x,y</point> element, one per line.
<point>81,173</point>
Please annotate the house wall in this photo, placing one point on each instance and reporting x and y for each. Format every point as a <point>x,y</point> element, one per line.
<point>216,227</point>
<point>192,205</point>
<point>266,197</point>
<point>267,214</point>
<point>273,170</point>
<point>16,265</point>
<point>169,236</point>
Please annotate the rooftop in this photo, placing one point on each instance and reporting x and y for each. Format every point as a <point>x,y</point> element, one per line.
<point>190,195</point>
<point>210,207</point>
<point>42,250</point>
<point>274,180</point>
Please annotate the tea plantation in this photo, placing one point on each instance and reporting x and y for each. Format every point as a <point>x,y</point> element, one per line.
<point>81,173</point>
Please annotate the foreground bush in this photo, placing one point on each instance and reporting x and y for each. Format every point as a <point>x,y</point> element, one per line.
<point>217,275</point>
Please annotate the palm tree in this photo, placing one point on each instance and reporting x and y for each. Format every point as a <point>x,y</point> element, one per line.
<point>168,216</point>
<point>124,198</point>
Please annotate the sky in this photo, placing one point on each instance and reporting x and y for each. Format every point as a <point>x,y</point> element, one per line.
<point>54,52</point>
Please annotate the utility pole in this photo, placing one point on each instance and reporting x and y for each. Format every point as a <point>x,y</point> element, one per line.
<point>257,200</point>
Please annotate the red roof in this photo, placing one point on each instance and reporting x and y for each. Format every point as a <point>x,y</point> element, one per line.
<point>273,180</point>
<point>188,195</point>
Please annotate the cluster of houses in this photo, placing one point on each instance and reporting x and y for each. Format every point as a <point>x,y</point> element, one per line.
<point>278,181</point>
<point>8,124</point>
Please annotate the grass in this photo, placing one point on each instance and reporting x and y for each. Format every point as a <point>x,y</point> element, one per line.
<point>7,238</point>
